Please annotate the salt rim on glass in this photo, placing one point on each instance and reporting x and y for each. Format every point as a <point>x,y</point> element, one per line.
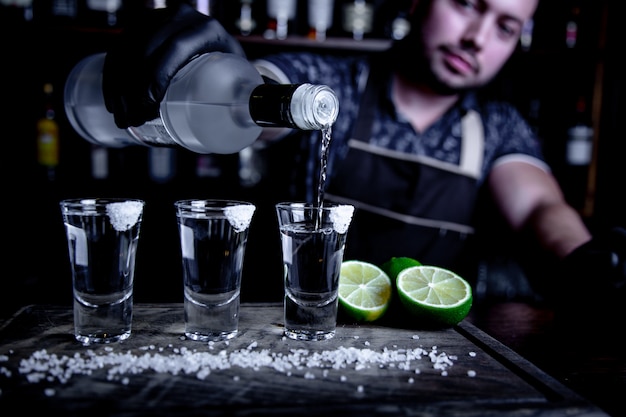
<point>341,216</point>
<point>124,215</point>
<point>239,216</point>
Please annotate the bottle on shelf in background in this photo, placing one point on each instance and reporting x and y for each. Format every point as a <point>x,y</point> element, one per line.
<point>48,136</point>
<point>572,27</point>
<point>246,23</point>
<point>67,8</point>
<point>358,18</point>
<point>279,13</point>
<point>400,26</point>
<point>526,38</point>
<point>105,10</point>
<point>251,167</point>
<point>580,136</point>
<point>217,103</point>
<point>578,156</point>
<point>99,162</point>
<point>161,164</point>
<point>320,18</point>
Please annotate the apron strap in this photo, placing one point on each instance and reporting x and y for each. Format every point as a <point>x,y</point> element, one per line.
<point>472,144</point>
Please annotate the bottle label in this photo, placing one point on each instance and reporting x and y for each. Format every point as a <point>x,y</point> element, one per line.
<point>153,132</point>
<point>270,105</point>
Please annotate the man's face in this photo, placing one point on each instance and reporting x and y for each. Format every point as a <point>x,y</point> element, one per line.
<point>466,42</point>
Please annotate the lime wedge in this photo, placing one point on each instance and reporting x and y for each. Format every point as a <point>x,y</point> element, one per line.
<point>434,295</point>
<point>364,290</point>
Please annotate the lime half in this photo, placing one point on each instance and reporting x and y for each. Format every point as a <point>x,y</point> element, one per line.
<point>434,295</point>
<point>364,290</point>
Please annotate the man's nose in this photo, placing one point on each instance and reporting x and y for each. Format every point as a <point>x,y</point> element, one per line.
<point>478,32</point>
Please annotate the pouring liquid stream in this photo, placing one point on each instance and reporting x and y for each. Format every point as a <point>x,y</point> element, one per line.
<point>326,134</point>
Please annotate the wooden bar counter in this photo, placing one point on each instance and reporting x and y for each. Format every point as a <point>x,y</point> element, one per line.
<point>365,370</point>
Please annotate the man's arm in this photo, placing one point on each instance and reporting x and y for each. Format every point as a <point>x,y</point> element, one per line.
<point>530,199</point>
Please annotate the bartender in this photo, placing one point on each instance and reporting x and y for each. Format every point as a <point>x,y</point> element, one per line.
<point>416,145</point>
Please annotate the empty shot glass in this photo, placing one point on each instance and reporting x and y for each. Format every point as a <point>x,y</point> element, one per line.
<point>213,238</point>
<point>102,237</point>
<point>313,240</point>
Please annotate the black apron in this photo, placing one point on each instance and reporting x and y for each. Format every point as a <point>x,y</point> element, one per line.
<point>407,205</point>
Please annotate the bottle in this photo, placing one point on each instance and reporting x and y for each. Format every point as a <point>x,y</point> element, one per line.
<point>279,13</point>
<point>358,18</point>
<point>320,18</point>
<point>104,11</point>
<point>48,136</point>
<point>571,27</point>
<point>246,23</point>
<point>217,103</point>
<point>580,136</point>
<point>99,162</point>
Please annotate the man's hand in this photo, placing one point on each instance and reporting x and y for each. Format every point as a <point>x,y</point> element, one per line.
<point>604,258</point>
<point>594,278</point>
<point>139,67</point>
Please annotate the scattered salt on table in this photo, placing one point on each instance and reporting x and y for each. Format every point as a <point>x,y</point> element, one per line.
<point>43,366</point>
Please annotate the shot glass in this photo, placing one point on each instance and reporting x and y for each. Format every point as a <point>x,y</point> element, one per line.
<point>102,237</point>
<point>213,238</point>
<point>313,240</point>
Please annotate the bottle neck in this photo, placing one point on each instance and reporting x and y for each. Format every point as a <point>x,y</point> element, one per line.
<point>297,106</point>
<point>270,105</point>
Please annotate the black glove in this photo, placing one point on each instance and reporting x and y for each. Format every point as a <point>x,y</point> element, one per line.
<point>594,278</point>
<point>139,67</point>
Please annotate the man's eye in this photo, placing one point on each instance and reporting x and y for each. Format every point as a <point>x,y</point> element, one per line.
<point>508,31</point>
<point>467,4</point>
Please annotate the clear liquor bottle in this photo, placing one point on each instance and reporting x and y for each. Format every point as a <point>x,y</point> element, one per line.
<point>217,103</point>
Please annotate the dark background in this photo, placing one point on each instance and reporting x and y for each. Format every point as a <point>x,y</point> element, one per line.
<point>544,82</point>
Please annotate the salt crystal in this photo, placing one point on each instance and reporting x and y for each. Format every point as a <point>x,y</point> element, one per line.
<point>239,216</point>
<point>341,216</point>
<point>124,215</point>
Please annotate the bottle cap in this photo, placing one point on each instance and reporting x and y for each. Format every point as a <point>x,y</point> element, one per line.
<point>314,107</point>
